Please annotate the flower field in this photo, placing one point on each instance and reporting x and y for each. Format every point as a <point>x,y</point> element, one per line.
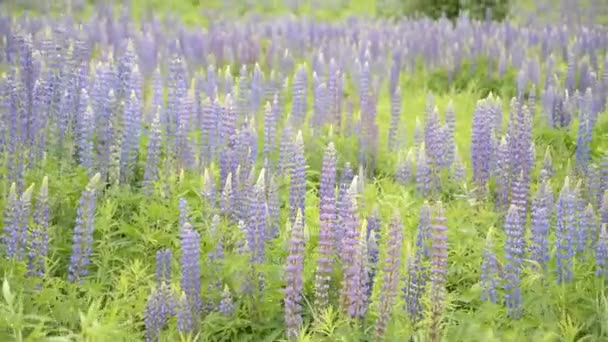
<point>286,178</point>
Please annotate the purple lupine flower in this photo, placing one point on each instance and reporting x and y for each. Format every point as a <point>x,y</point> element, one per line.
<point>540,223</point>
<point>585,132</point>
<point>565,228</point>
<point>218,252</point>
<point>450,125</point>
<point>209,188</point>
<point>83,231</point>
<point>39,239</point>
<point>481,143</point>
<point>130,139</point>
<point>13,237</point>
<point>161,303</point>
<point>153,158</point>
<point>395,116</point>
<point>185,316</point>
<point>489,270</point>
<point>270,127</point>
<point>226,305</point>
<point>163,266</point>
<point>588,228</point>
<point>603,181</point>
<point>243,103</point>
<point>19,236</point>
<point>405,167</point>
<point>257,90</point>
<point>184,209</point>
<point>423,235</point>
<point>423,172</point>
<point>439,268</point>
<point>299,97</point>
<point>274,208</point>
<point>227,198</point>
<point>519,196</point>
<point>459,170</point>
<point>372,237</point>
<point>294,278</point>
<point>297,191</point>
<point>604,208</point>
<point>352,296</point>
<point>153,316</point>
<point>601,252</point>
<point>191,270</point>
<point>286,151</point>
<point>546,171</point>
<point>415,284</point>
<point>327,222</point>
<point>85,132</point>
<point>342,204</point>
<point>390,280</point>
<point>514,252</point>
<point>366,268</point>
<point>503,174</point>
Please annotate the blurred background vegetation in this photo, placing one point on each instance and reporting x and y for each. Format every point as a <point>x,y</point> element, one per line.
<point>196,12</point>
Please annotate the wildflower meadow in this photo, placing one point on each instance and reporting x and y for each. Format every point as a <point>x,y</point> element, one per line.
<point>205,175</point>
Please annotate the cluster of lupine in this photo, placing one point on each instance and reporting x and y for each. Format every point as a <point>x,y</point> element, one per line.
<point>88,96</point>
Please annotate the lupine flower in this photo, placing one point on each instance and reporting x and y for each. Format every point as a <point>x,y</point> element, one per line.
<point>300,86</point>
<point>83,231</point>
<point>450,125</point>
<point>257,220</point>
<point>439,265</point>
<point>604,208</point>
<point>519,196</point>
<point>395,115</point>
<point>274,208</point>
<point>153,316</point>
<point>39,239</point>
<point>423,172</point>
<point>415,284</point>
<point>297,191</point>
<point>404,172</point>
<point>269,128</point>
<point>153,157</point>
<point>601,253</point>
<point>540,220</point>
<point>351,295</point>
<point>372,237</point>
<point>209,188</point>
<point>163,266</point>
<point>459,170</point>
<point>346,178</point>
<point>185,316</point>
<point>547,166</point>
<point>327,222</point>
<point>481,143</point>
<point>489,270</point>
<point>13,237</point>
<point>514,251</point>
<point>226,305</point>
<point>390,280</point>
<point>565,227</point>
<point>227,198</point>
<point>503,174</point>
<point>191,270</point>
<point>603,176</point>
<point>294,278</point>
<point>286,151</point>
<point>587,228</point>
